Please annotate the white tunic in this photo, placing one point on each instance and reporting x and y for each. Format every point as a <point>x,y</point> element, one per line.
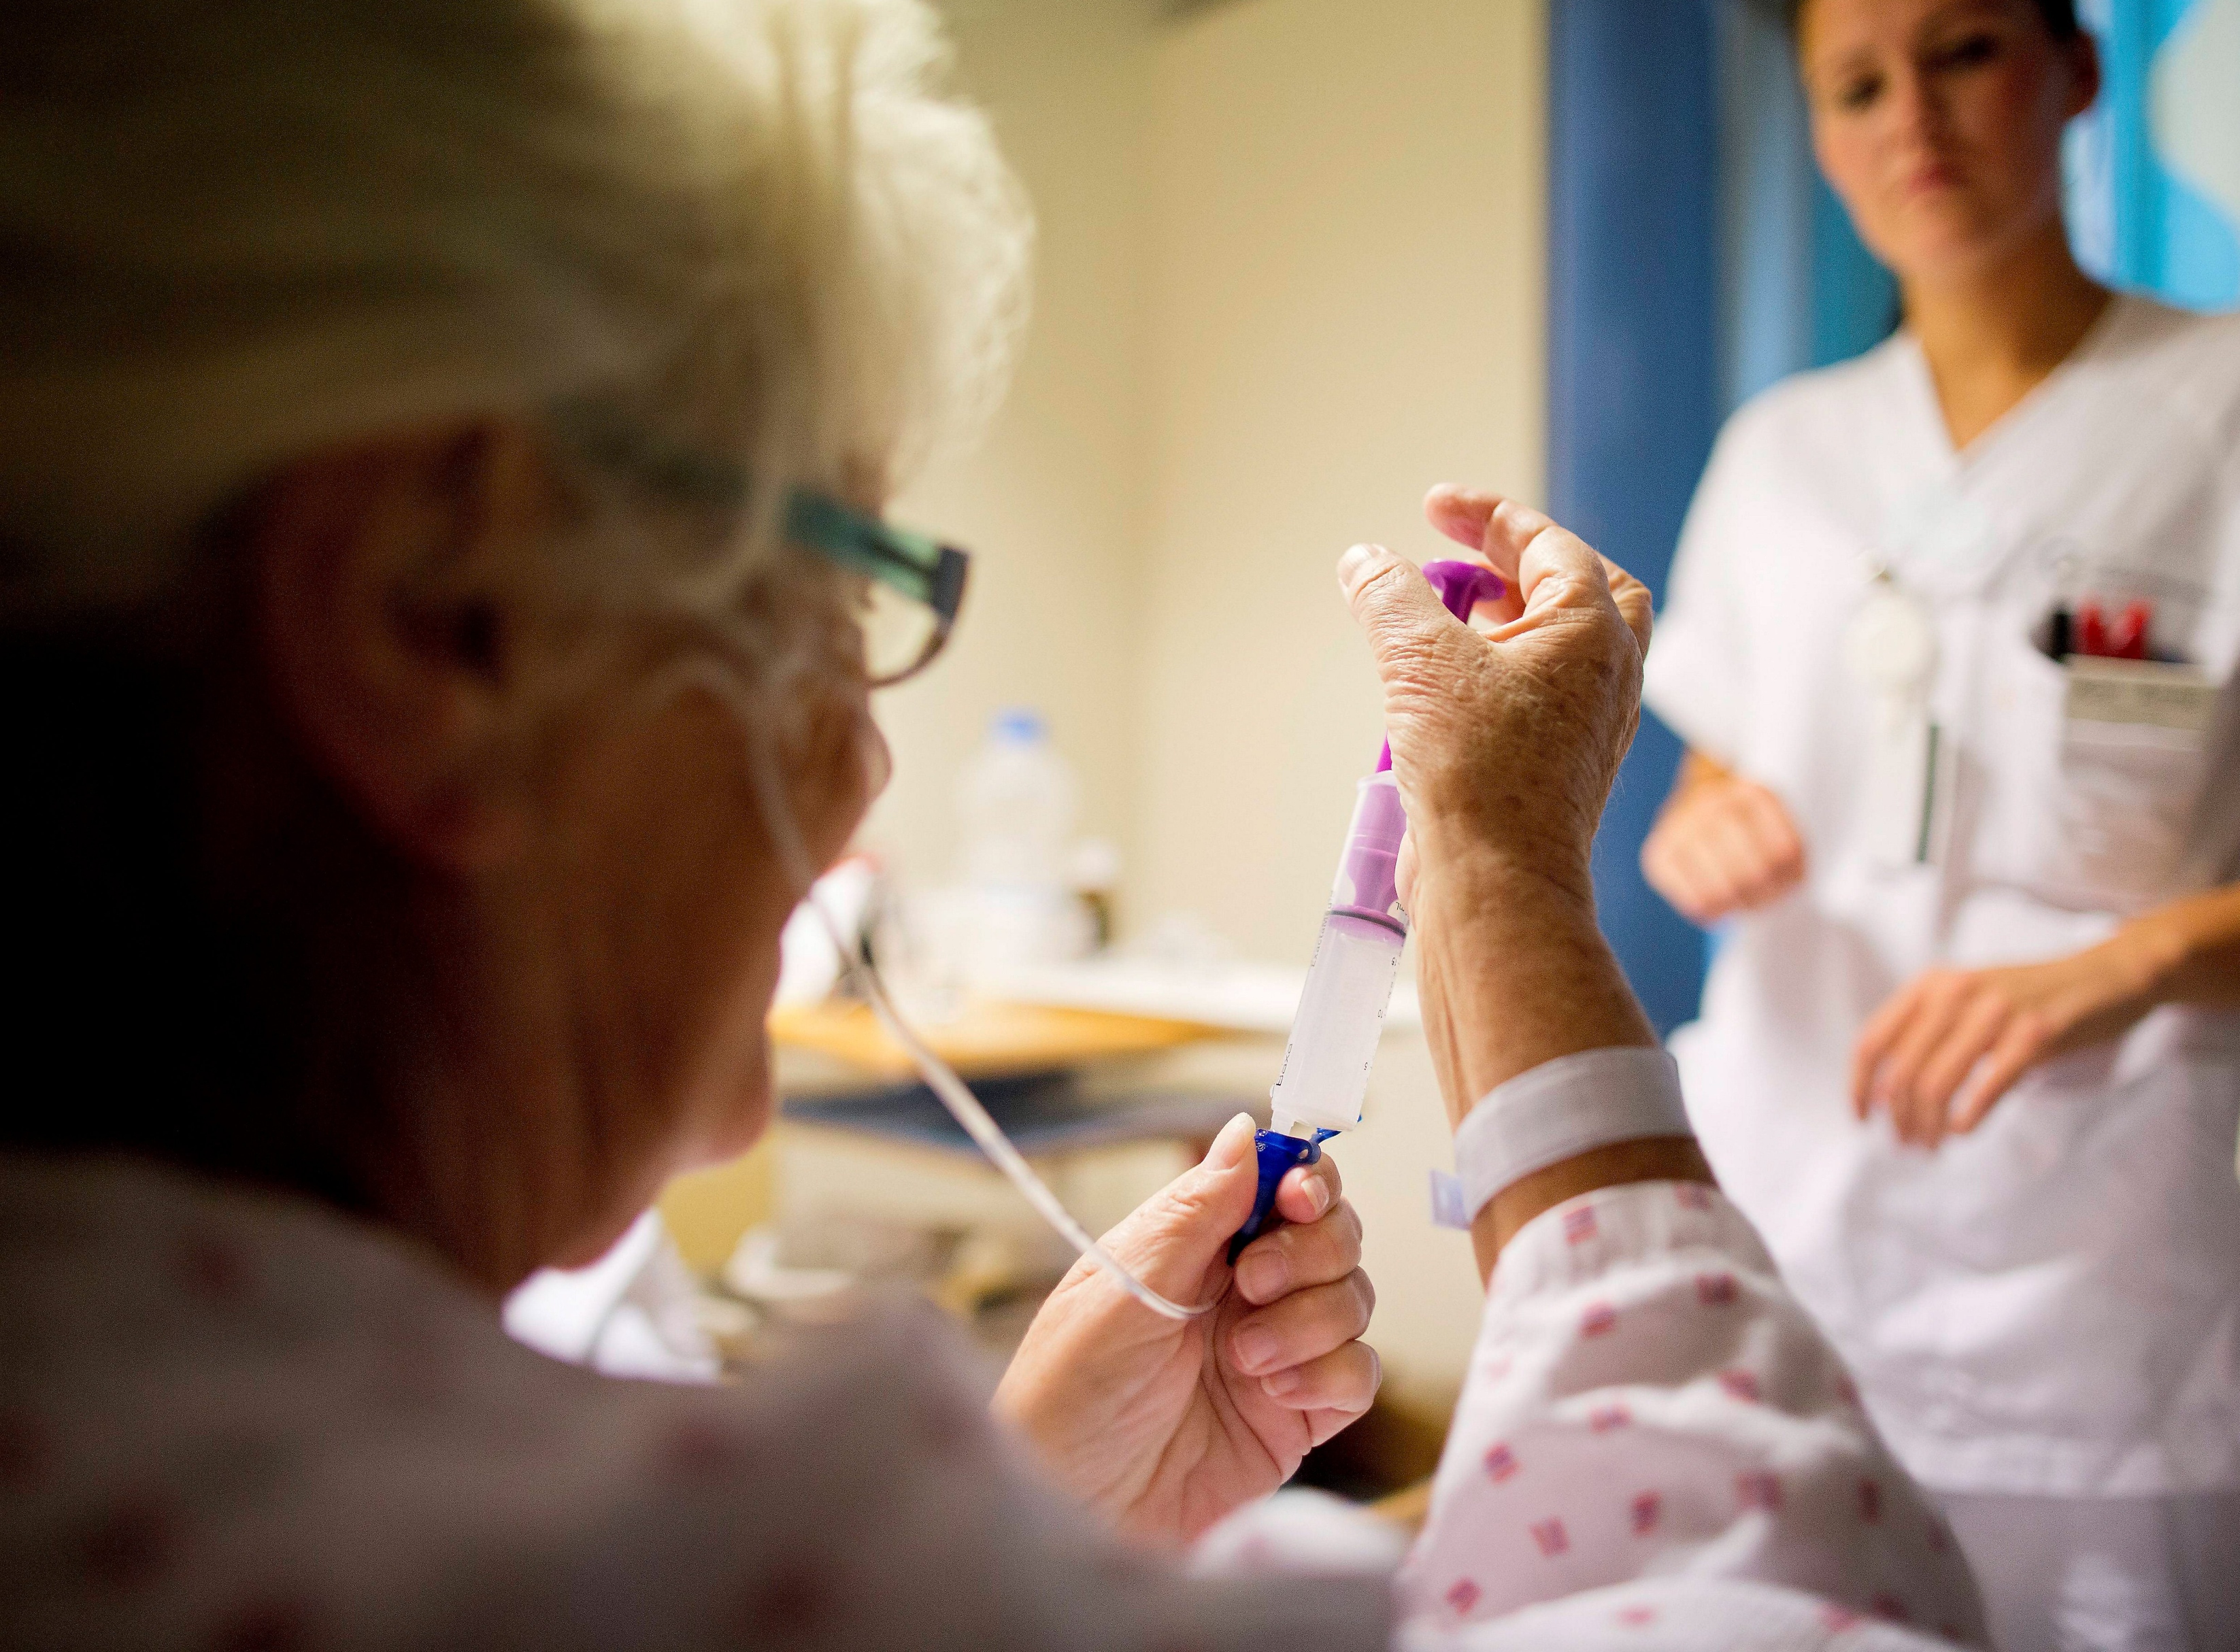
<point>2050,1305</point>
<point>230,1420</point>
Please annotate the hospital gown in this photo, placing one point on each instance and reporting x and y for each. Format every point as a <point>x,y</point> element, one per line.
<point>232,1420</point>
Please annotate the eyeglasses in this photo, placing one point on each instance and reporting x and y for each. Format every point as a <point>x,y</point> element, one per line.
<point>916,583</point>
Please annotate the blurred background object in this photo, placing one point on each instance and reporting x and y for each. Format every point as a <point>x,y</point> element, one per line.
<point>1299,260</point>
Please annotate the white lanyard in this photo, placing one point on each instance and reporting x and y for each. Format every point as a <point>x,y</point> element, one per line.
<point>1890,647</point>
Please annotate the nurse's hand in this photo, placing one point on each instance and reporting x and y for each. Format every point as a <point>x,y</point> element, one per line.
<point>1722,845</point>
<point>1948,1045</point>
<point>1166,1425</point>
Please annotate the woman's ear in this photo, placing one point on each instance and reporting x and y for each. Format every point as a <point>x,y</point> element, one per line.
<point>392,641</point>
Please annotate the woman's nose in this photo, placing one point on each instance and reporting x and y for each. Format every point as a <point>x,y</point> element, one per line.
<point>878,759</point>
<point>1914,117</point>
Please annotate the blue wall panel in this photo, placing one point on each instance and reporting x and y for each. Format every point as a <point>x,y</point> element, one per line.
<point>1634,379</point>
<point>2154,170</point>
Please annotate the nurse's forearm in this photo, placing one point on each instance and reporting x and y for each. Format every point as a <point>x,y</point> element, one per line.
<point>2188,951</point>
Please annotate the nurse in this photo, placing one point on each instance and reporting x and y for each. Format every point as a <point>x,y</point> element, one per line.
<point>1951,640</point>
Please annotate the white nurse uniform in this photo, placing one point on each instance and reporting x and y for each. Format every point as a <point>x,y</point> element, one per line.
<point>2049,1308</point>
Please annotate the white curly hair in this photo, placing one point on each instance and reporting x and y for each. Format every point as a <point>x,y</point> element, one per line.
<point>231,233</point>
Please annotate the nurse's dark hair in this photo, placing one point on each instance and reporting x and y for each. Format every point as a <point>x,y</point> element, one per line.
<point>2060,16</point>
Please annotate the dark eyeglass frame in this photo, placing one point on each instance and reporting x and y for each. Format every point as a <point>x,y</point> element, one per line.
<point>915,564</point>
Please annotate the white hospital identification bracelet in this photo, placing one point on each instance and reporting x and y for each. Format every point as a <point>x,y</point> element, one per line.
<point>1556,1111</point>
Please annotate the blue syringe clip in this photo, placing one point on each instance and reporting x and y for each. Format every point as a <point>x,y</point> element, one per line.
<point>1276,1153</point>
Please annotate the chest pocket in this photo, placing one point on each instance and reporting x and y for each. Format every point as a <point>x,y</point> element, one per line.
<point>2097,779</point>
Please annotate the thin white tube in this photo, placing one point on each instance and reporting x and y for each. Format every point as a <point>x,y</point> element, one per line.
<point>965,1108</point>
<point>954,1095</point>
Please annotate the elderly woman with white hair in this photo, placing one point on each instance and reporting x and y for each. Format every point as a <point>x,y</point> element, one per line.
<point>442,447</point>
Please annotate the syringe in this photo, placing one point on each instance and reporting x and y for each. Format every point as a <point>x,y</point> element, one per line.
<point>1325,1073</point>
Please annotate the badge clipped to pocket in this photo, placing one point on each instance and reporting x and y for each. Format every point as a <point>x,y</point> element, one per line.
<point>1890,647</point>
<point>2133,751</point>
<point>2157,697</point>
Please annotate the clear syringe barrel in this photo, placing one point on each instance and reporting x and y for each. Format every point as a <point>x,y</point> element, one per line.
<point>1325,1073</point>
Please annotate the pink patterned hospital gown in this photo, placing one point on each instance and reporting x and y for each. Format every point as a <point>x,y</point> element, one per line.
<point>238,1422</point>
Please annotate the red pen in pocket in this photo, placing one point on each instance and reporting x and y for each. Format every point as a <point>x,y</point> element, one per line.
<point>2091,630</point>
<point>2127,639</point>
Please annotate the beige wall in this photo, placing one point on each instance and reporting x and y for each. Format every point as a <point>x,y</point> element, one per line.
<point>1347,308</point>
<point>1288,276</point>
<point>1050,503</point>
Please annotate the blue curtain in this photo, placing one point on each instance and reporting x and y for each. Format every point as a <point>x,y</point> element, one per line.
<point>1797,287</point>
<point>1633,369</point>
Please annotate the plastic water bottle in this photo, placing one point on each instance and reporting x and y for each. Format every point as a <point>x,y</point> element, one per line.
<point>1015,802</point>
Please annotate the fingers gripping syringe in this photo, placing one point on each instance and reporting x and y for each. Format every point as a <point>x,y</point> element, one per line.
<point>1341,1014</point>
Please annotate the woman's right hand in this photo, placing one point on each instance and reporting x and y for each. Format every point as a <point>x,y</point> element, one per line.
<point>1722,845</point>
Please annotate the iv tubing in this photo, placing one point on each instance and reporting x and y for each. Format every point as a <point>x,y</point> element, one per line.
<point>964,1107</point>
<point>954,1095</point>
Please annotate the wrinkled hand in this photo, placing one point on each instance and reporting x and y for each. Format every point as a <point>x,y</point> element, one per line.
<point>1167,1425</point>
<point>1722,845</point>
<point>1949,1044</point>
<point>1507,733</point>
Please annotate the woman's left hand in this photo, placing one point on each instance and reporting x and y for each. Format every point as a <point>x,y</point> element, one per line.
<point>1167,1425</point>
<point>1949,1044</point>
